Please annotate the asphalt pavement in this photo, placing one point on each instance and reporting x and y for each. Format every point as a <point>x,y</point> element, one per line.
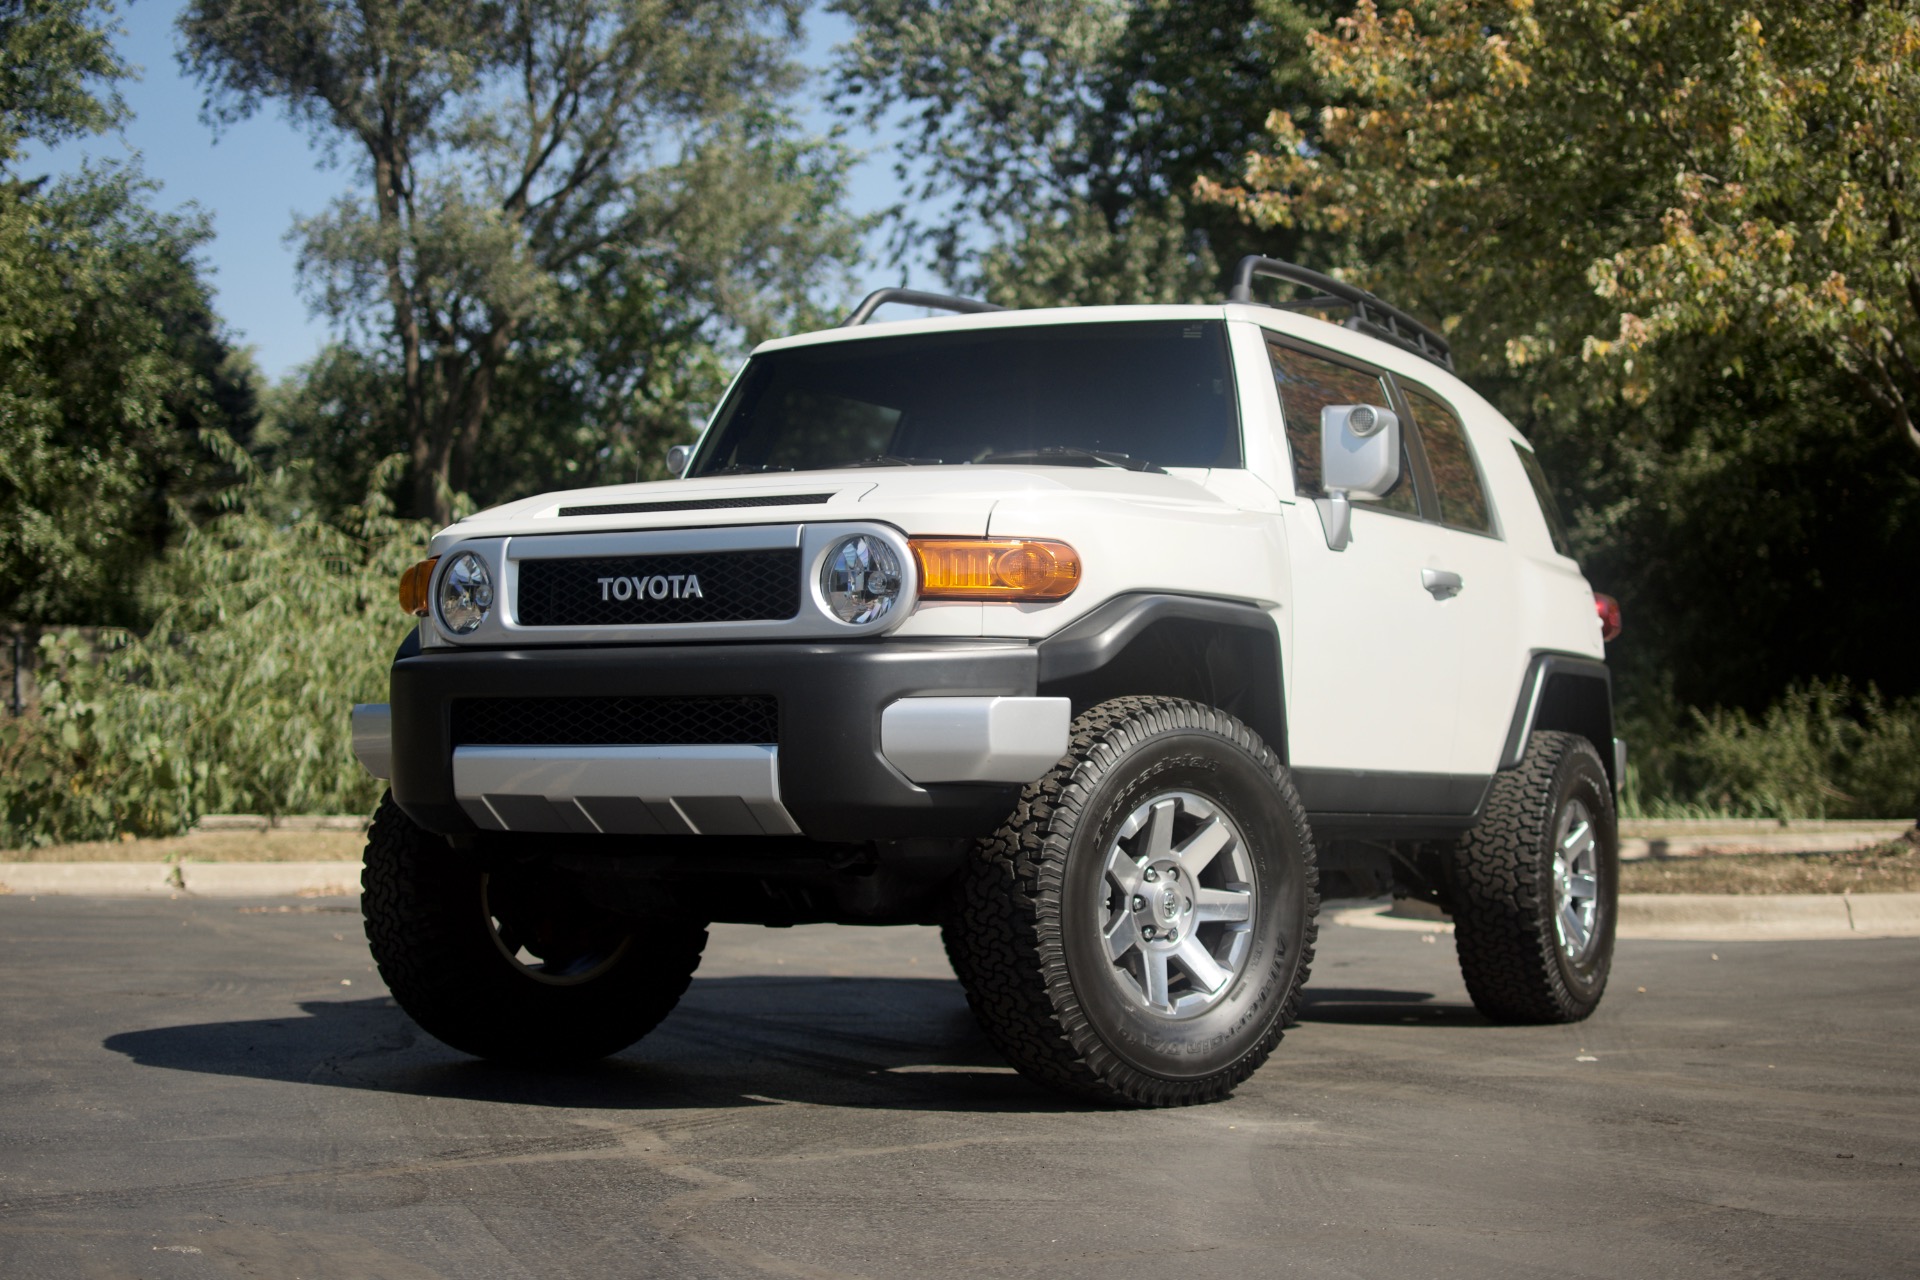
<point>211,1087</point>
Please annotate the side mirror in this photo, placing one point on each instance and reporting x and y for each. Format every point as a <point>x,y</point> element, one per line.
<point>1359,459</point>
<point>677,459</point>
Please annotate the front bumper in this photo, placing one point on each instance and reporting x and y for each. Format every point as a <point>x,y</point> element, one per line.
<point>829,772</point>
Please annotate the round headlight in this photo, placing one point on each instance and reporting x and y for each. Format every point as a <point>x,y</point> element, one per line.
<point>861,579</point>
<point>466,594</point>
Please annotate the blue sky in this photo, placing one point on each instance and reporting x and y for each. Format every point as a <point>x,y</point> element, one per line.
<point>254,177</point>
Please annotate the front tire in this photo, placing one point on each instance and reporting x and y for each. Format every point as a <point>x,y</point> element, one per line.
<point>1536,887</point>
<point>1139,929</point>
<point>509,963</point>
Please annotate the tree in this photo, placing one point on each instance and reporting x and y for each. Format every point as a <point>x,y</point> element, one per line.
<point>1062,138</point>
<point>120,397</point>
<point>1671,242</point>
<point>56,59</point>
<point>1659,169</point>
<point>519,157</point>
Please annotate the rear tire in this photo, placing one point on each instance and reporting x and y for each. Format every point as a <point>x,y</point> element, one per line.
<point>1139,929</point>
<point>1536,887</point>
<point>510,963</point>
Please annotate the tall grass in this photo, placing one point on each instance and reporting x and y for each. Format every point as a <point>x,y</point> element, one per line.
<point>1824,749</point>
<point>234,700</point>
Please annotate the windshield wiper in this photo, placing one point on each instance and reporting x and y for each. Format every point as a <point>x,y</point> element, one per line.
<point>1069,456</point>
<point>746,468</point>
<point>888,460</point>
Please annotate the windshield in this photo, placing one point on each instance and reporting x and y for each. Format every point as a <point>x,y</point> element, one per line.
<point>1136,394</point>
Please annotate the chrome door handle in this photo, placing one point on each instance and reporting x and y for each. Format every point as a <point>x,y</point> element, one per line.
<point>1442,584</point>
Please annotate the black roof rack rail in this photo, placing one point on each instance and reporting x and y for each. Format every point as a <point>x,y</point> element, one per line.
<point>914,298</point>
<point>1370,316</point>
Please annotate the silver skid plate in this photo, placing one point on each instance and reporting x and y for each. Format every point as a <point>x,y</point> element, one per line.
<point>731,790</point>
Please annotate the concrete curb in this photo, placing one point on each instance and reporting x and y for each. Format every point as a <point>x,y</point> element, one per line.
<point>1705,917</point>
<point>199,879</point>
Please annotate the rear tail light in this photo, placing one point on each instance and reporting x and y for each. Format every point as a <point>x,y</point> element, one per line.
<point>1609,610</point>
<point>995,568</point>
<point>413,587</point>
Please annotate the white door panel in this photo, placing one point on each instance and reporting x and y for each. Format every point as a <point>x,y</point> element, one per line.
<point>1375,655</point>
<point>1481,620</point>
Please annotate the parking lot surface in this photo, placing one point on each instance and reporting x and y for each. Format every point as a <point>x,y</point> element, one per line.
<point>219,1088</point>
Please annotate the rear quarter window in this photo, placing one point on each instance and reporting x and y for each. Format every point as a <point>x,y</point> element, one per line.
<point>1543,493</point>
<point>1456,478</point>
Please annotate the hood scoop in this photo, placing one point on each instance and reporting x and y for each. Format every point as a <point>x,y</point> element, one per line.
<point>701,504</point>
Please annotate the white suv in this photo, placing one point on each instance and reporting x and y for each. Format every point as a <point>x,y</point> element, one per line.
<point>1103,637</point>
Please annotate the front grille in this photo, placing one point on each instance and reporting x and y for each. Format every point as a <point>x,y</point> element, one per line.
<point>615,722</point>
<point>701,504</point>
<point>707,586</point>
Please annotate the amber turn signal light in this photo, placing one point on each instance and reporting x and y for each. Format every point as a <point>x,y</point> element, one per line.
<point>413,587</point>
<point>995,568</point>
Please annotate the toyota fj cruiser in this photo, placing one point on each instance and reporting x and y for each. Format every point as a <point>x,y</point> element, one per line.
<point>1106,638</point>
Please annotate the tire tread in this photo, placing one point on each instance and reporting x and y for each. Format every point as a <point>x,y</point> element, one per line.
<point>1503,931</point>
<point>1003,933</point>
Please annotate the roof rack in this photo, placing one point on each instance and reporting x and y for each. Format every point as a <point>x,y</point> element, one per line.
<point>914,298</point>
<point>1371,316</point>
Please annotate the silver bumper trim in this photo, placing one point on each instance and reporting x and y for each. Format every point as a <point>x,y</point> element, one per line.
<point>674,790</point>
<point>373,738</point>
<point>996,739</point>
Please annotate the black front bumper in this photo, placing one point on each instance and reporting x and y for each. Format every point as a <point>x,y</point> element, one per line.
<point>833,779</point>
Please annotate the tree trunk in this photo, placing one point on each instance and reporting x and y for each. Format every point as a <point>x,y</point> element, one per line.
<point>475,403</point>
<point>426,456</point>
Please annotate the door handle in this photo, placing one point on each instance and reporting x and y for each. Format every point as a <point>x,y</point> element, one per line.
<point>1442,584</point>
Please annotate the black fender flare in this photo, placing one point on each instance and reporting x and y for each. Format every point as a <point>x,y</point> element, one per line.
<point>1223,653</point>
<point>1570,693</point>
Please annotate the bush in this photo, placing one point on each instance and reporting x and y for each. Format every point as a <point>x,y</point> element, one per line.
<point>235,700</point>
<point>1823,750</point>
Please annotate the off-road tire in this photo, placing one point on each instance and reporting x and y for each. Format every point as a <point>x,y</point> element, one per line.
<point>1511,955</point>
<point>428,925</point>
<point>1022,918</point>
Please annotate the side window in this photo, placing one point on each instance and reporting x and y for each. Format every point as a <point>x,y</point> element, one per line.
<point>1556,527</point>
<point>1308,384</point>
<point>1456,481</point>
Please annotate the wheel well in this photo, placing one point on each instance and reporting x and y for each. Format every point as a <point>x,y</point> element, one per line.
<point>1582,704</point>
<point>1233,667</point>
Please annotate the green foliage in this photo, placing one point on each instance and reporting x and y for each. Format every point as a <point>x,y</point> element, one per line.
<point>1657,169</point>
<point>119,396</point>
<point>1825,749</point>
<point>118,392</point>
<point>234,701</point>
<point>52,55</point>
<point>1061,138</point>
<point>566,209</point>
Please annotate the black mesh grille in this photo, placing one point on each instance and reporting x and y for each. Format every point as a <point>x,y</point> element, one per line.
<point>610,722</point>
<point>712,586</point>
<point>701,504</point>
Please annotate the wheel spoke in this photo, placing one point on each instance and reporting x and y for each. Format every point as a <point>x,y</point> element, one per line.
<point>1573,928</point>
<point>1122,870</point>
<point>1120,937</point>
<point>1155,967</point>
<point>1159,841</point>
<point>1211,905</point>
<point>1207,974</point>
<point>1202,846</point>
<point>1578,843</point>
<point>1583,886</point>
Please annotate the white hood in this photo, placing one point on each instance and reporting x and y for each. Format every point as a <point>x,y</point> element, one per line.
<point>917,500</point>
